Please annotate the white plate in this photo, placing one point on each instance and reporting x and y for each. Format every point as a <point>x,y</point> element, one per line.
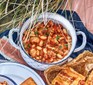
<point>19,73</point>
<point>7,79</point>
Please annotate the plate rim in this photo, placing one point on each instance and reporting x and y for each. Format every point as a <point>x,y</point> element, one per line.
<point>25,68</point>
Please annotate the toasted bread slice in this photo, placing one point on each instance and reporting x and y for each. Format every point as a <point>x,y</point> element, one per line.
<point>51,73</point>
<point>28,81</point>
<point>89,80</point>
<point>83,63</point>
<point>68,76</point>
<point>3,83</point>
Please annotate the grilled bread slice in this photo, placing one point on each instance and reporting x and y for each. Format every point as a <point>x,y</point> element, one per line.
<point>3,83</point>
<point>28,81</point>
<point>51,73</point>
<point>89,80</point>
<point>83,63</point>
<point>68,76</point>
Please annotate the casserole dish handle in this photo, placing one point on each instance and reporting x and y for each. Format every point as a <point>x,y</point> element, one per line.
<point>84,41</point>
<point>11,32</point>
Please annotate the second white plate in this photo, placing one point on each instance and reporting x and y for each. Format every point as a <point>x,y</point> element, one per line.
<point>19,73</point>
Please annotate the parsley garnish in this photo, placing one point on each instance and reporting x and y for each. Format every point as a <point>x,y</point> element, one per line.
<point>47,34</point>
<point>57,37</point>
<point>28,45</point>
<point>60,47</point>
<point>66,45</point>
<point>45,28</point>
<point>36,33</point>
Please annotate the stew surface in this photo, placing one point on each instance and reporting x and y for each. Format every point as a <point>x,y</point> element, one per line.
<point>47,43</point>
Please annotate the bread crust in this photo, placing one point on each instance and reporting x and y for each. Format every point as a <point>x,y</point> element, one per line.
<point>51,73</point>
<point>89,80</point>
<point>28,81</point>
<point>68,76</point>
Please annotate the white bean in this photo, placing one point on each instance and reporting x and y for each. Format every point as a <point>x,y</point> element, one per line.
<point>34,40</point>
<point>41,43</point>
<point>33,52</point>
<point>59,56</point>
<point>45,50</point>
<point>66,52</point>
<point>65,31</point>
<point>43,37</point>
<point>32,33</point>
<point>33,46</point>
<point>37,58</point>
<point>39,48</point>
<point>37,52</point>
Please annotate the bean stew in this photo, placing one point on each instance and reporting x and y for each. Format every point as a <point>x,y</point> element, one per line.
<point>47,43</point>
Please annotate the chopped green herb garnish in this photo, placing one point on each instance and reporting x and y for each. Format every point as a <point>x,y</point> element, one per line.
<point>57,37</point>
<point>47,34</point>
<point>36,33</point>
<point>66,45</point>
<point>28,45</point>
<point>60,47</point>
<point>46,28</point>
